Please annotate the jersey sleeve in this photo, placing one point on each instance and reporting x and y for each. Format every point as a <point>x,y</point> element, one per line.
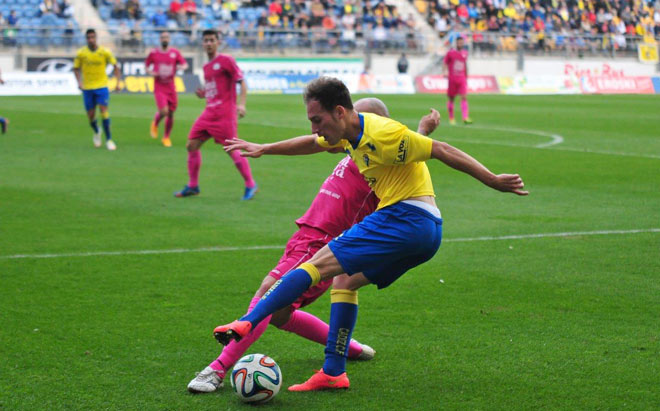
<point>77,61</point>
<point>322,142</point>
<point>404,146</point>
<point>446,59</point>
<point>149,60</point>
<point>179,59</point>
<point>110,57</point>
<point>233,70</point>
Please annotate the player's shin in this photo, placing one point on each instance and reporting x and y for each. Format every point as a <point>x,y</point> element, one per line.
<point>106,125</point>
<point>169,123</point>
<point>284,292</point>
<point>343,315</point>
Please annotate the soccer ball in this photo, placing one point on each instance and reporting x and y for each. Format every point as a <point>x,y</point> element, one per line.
<point>256,378</point>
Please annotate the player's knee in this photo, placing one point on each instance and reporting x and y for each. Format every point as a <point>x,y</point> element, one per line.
<point>164,112</point>
<point>281,317</point>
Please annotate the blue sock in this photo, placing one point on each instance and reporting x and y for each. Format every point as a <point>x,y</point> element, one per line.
<point>343,315</point>
<point>283,293</point>
<point>106,128</point>
<point>95,126</point>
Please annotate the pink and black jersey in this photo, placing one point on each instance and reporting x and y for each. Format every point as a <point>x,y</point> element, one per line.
<point>456,62</point>
<point>220,76</point>
<point>344,199</point>
<point>164,64</point>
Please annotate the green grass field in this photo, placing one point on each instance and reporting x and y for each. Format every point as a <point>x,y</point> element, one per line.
<point>538,321</point>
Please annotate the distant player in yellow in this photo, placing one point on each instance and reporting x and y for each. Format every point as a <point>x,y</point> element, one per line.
<point>404,231</point>
<point>89,66</point>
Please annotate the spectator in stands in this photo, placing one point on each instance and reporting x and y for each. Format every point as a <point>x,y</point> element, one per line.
<point>133,9</point>
<point>12,19</point>
<point>65,9</point>
<point>46,7</point>
<point>118,10</point>
<point>190,8</point>
<point>159,19</point>
<point>176,13</point>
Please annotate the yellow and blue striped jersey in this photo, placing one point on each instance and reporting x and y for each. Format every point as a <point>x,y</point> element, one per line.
<point>391,157</point>
<point>92,65</point>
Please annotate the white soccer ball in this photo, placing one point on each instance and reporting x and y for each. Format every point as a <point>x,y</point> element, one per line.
<point>256,378</point>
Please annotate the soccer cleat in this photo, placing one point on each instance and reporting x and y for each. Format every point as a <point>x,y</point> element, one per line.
<point>187,192</point>
<point>367,353</point>
<point>207,380</point>
<point>111,145</point>
<point>153,130</point>
<point>322,381</point>
<point>250,192</point>
<point>167,142</point>
<point>467,121</point>
<point>452,122</point>
<point>96,138</point>
<point>5,125</point>
<point>233,331</point>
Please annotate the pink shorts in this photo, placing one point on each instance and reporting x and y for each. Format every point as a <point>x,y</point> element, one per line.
<point>209,125</point>
<point>166,97</point>
<point>300,248</point>
<point>457,87</point>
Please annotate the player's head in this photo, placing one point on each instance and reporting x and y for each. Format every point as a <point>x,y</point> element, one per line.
<point>372,105</point>
<point>164,39</point>
<point>210,41</point>
<point>90,35</point>
<point>328,104</point>
<point>460,42</point>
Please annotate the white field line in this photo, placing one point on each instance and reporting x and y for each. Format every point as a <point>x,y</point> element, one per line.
<point>554,138</point>
<point>279,247</point>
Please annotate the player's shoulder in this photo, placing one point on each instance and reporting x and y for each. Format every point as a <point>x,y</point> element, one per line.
<point>226,57</point>
<point>375,122</point>
<point>81,51</point>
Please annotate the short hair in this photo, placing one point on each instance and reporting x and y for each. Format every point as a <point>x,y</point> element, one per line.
<point>210,32</point>
<point>372,105</point>
<point>329,92</point>
<point>90,31</point>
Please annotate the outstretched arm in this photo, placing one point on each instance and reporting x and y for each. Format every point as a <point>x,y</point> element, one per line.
<point>461,161</point>
<point>293,147</point>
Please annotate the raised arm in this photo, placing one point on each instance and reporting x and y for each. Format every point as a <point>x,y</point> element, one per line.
<point>461,161</point>
<point>292,147</point>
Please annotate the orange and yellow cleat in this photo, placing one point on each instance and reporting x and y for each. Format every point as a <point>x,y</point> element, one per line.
<point>233,331</point>
<point>167,142</point>
<point>322,381</point>
<point>153,129</point>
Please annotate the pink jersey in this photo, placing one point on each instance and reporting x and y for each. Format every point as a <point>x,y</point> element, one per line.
<point>164,64</point>
<point>456,62</point>
<point>344,199</point>
<point>220,77</point>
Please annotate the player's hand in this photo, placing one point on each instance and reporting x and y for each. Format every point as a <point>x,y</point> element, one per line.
<point>240,110</point>
<point>429,122</point>
<point>248,149</point>
<point>200,92</point>
<point>509,183</point>
<point>118,86</point>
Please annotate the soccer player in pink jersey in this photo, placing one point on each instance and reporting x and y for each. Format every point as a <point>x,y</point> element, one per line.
<point>163,63</point>
<point>455,63</point>
<point>344,199</point>
<point>219,118</point>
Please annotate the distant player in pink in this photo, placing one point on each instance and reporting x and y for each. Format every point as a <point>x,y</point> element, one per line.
<point>220,117</point>
<point>163,63</point>
<point>344,199</point>
<point>455,64</point>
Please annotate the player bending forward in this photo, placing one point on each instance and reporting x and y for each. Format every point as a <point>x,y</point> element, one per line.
<point>163,63</point>
<point>404,232</point>
<point>344,199</point>
<point>219,118</point>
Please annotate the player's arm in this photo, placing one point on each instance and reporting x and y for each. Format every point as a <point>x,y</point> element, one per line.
<point>117,76</point>
<point>292,147</point>
<point>240,107</point>
<point>462,161</point>
<point>429,123</point>
<point>76,70</point>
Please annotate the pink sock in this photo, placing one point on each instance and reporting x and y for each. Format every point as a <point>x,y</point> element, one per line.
<point>311,327</point>
<point>194,163</point>
<point>235,350</point>
<point>169,123</point>
<point>243,167</point>
<point>157,118</point>
<point>450,109</point>
<point>464,109</point>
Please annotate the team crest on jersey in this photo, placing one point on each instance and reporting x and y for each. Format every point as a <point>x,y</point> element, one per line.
<point>365,158</point>
<point>402,152</point>
<point>216,66</point>
<point>172,55</point>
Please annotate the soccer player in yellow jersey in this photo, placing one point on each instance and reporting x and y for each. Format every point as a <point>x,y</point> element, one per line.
<point>89,67</point>
<point>404,231</point>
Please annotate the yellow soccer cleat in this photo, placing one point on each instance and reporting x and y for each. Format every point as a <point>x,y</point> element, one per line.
<point>467,121</point>
<point>167,142</point>
<point>154,130</point>
<point>452,121</point>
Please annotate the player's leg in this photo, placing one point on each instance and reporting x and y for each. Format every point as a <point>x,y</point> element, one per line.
<point>227,130</point>
<point>161,103</point>
<point>4,123</point>
<point>196,139</point>
<point>169,118</point>
<point>90,108</point>
<point>450,103</point>
<point>103,100</point>
<point>465,111</point>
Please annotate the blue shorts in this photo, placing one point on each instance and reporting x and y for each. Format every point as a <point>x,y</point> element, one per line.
<point>96,97</point>
<point>388,243</point>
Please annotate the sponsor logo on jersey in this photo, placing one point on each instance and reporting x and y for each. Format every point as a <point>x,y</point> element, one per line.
<point>402,152</point>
